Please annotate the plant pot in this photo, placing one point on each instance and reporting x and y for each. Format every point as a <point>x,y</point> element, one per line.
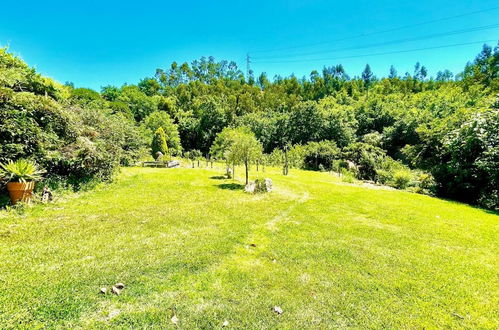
<point>20,191</point>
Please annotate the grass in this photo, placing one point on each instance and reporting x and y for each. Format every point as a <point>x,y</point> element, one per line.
<point>188,243</point>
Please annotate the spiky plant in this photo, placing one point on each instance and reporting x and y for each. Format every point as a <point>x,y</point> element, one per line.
<point>20,171</point>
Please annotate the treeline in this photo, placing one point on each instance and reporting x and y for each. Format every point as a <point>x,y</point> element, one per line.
<point>444,126</point>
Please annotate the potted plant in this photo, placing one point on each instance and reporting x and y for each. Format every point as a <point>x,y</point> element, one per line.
<point>20,176</point>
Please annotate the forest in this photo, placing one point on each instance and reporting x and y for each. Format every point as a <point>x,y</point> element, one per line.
<point>434,135</point>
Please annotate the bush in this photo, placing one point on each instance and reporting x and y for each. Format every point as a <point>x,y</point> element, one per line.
<point>347,176</point>
<point>158,143</point>
<point>71,133</point>
<point>320,155</point>
<point>401,179</point>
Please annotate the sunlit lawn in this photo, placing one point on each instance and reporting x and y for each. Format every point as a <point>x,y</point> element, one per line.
<point>187,243</point>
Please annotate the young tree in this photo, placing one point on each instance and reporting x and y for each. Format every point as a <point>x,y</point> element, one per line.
<point>158,143</point>
<point>237,146</point>
<point>221,147</point>
<point>245,148</point>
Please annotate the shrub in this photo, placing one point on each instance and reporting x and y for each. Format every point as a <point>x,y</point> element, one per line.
<point>158,143</point>
<point>347,176</point>
<point>260,186</point>
<point>320,155</point>
<point>401,179</point>
<point>367,157</point>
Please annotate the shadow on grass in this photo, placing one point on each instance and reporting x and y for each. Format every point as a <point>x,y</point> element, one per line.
<point>231,186</point>
<point>218,177</point>
<point>4,201</point>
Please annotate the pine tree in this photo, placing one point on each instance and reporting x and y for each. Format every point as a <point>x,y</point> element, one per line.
<point>393,73</point>
<point>368,78</point>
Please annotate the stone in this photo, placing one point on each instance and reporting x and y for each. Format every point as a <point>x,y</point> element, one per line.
<point>173,164</point>
<point>225,324</point>
<point>250,187</point>
<point>119,286</point>
<point>115,290</point>
<point>103,290</point>
<point>174,319</point>
<point>158,156</point>
<point>112,314</point>
<point>46,195</point>
<point>277,309</point>
<point>259,186</point>
<point>268,184</point>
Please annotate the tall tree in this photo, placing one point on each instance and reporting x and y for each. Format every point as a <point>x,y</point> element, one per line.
<point>393,72</point>
<point>367,78</point>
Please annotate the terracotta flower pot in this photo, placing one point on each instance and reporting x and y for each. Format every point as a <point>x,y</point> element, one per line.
<point>20,191</point>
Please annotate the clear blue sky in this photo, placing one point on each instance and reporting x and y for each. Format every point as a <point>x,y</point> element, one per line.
<point>95,43</point>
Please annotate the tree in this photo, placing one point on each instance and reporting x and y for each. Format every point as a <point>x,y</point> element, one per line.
<point>161,119</point>
<point>393,72</point>
<point>246,148</point>
<point>158,143</point>
<point>140,104</point>
<point>237,146</point>
<point>367,78</point>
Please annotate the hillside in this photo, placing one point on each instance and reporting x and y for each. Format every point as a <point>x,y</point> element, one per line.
<point>190,244</point>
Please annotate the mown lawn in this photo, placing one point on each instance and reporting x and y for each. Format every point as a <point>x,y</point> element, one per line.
<point>188,243</point>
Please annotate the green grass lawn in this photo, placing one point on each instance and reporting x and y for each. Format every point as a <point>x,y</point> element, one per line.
<point>187,243</point>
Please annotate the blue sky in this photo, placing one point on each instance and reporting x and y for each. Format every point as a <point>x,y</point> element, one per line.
<point>96,43</point>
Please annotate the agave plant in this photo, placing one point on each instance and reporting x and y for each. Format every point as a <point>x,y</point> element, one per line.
<point>20,171</point>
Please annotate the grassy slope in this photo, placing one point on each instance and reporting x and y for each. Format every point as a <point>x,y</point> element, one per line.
<point>329,254</point>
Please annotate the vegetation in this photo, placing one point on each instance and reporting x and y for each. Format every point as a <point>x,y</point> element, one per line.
<point>73,134</point>
<point>329,254</point>
<point>19,171</point>
<point>158,144</point>
<point>237,146</point>
<point>394,129</point>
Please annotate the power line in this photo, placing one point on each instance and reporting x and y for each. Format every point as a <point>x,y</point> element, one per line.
<point>377,32</point>
<point>455,32</point>
<point>377,54</point>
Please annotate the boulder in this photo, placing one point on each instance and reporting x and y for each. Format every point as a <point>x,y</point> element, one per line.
<point>259,186</point>
<point>250,187</point>
<point>173,164</point>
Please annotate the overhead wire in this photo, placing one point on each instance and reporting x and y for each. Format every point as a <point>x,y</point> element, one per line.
<point>425,37</point>
<point>376,32</point>
<point>375,54</point>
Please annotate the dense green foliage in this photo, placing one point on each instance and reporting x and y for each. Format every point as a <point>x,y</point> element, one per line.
<point>158,144</point>
<point>390,128</point>
<point>73,134</point>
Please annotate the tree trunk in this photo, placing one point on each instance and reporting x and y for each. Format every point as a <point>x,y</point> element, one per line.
<point>246,168</point>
